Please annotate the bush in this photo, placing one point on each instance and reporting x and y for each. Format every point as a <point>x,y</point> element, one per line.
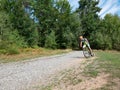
<point>116,40</point>
<point>50,41</point>
<point>7,49</point>
<point>3,51</point>
<point>4,45</point>
<point>12,51</point>
<point>101,41</point>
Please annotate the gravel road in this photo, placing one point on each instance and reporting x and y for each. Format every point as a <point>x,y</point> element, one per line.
<point>21,75</point>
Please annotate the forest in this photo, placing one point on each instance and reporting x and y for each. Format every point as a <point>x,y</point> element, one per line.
<point>53,24</point>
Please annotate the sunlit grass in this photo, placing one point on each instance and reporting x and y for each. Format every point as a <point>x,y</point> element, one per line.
<point>110,60</point>
<point>107,62</point>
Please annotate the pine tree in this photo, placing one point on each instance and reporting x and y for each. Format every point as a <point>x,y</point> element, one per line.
<point>21,20</point>
<point>46,15</point>
<point>88,10</point>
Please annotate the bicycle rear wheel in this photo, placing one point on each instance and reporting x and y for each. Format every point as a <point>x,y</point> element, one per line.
<point>86,52</point>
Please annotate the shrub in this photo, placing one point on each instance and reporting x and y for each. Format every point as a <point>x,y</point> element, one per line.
<point>3,51</point>
<point>12,51</point>
<point>50,41</point>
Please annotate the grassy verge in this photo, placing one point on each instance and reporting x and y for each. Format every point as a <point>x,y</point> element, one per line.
<point>29,53</point>
<point>106,63</point>
<point>110,61</point>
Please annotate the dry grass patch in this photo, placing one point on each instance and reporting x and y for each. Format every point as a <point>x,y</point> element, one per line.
<point>30,53</point>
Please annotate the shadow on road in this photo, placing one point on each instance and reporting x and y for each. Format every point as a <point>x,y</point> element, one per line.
<point>76,49</point>
<point>79,57</point>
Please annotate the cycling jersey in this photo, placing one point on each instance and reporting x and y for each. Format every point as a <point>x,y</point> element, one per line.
<point>85,42</point>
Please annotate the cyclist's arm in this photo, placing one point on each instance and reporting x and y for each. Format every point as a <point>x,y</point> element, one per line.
<point>81,44</point>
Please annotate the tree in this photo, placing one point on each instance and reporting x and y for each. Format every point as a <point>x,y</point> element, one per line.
<point>21,20</point>
<point>45,14</point>
<point>108,34</point>
<point>39,29</point>
<point>50,41</point>
<point>64,31</point>
<point>59,21</point>
<point>88,10</point>
<point>76,29</point>
<point>112,25</point>
<point>9,38</point>
<point>5,26</point>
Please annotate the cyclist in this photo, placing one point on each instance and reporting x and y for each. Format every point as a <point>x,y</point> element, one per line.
<point>84,42</point>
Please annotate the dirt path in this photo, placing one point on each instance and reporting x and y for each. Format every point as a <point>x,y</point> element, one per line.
<point>75,78</point>
<point>20,75</point>
<point>28,74</point>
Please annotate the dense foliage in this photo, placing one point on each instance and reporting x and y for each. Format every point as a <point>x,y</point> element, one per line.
<point>53,24</point>
<point>102,33</point>
<point>88,10</point>
<point>108,34</point>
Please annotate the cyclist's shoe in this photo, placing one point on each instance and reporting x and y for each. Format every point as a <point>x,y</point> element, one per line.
<point>92,54</point>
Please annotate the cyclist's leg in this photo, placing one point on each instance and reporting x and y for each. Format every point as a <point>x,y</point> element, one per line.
<point>84,45</point>
<point>88,45</point>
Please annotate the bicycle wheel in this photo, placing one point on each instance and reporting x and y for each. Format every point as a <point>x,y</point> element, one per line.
<point>86,52</point>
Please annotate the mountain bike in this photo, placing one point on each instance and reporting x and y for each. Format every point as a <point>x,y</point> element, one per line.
<point>86,51</point>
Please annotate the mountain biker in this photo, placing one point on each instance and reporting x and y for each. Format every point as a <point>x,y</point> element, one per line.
<point>84,42</point>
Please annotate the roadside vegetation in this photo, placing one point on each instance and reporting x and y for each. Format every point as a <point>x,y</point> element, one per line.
<point>53,24</point>
<point>30,53</point>
<point>110,62</point>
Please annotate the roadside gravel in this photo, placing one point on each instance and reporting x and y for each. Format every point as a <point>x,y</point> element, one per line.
<point>21,75</point>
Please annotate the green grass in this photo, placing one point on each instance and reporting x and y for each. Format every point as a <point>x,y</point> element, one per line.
<point>49,87</point>
<point>91,70</point>
<point>107,62</point>
<point>70,77</point>
<point>110,61</point>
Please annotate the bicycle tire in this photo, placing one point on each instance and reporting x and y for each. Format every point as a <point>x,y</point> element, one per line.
<point>86,52</point>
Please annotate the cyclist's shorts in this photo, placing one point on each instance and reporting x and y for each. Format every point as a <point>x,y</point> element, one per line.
<point>87,44</point>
